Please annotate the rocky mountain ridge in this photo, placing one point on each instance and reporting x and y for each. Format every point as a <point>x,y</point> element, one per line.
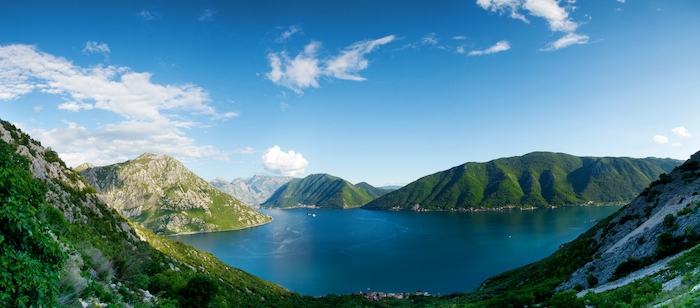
<point>160,193</point>
<point>253,191</point>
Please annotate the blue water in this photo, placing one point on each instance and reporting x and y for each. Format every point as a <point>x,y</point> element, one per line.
<point>347,251</point>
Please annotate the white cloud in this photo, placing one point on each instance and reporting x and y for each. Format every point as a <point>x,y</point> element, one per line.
<point>677,144</point>
<point>284,37</point>
<point>146,15</point>
<point>660,139</point>
<point>246,150</point>
<point>207,14</point>
<point>304,70</point>
<point>550,10</point>
<point>38,108</point>
<point>75,106</point>
<point>298,73</point>
<point>500,46</point>
<point>116,142</point>
<point>681,131</point>
<point>566,41</point>
<point>430,39</point>
<point>93,47</point>
<point>284,106</point>
<point>351,60</point>
<point>621,1</point>
<point>288,164</point>
<point>460,49</point>
<point>459,38</point>
<point>148,109</point>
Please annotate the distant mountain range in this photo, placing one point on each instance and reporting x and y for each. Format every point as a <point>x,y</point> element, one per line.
<point>324,191</point>
<point>253,191</point>
<point>537,179</point>
<point>161,194</point>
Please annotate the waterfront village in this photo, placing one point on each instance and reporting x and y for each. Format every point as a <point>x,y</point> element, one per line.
<point>379,296</point>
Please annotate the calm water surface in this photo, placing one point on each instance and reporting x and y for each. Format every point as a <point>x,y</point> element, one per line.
<point>347,251</point>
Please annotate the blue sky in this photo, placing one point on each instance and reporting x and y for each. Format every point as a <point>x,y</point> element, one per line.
<point>378,91</point>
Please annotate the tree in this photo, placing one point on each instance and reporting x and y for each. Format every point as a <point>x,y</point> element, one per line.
<point>199,291</point>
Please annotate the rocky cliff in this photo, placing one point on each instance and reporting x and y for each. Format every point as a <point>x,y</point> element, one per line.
<point>160,193</point>
<point>253,191</point>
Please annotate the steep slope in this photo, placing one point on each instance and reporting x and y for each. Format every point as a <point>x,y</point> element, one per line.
<point>318,190</point>
<point>253,191</point>
<point>159,193</point>
<point>373,192</point>
<point>637,256</point>
<point>537,179</point>
<point>103,259</point>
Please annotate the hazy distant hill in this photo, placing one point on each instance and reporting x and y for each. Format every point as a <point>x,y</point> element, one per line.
<point>534,180</point>
<point>252,191</point>
<point>161,194</point>
<point>321,190</point>
<point>373,192</point>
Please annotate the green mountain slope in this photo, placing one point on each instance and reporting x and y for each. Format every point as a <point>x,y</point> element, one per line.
<point>161,194</point>
<point>533,180</point>
<point>646,254</point>
<point>79,250</point>
<point>319,190</point>
<point>373,192</point>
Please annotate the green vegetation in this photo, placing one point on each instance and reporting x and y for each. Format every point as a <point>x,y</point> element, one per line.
<point>534,180</point>
<point>321,190</point>
<point>29,257</point>
<point>373,192</point>
<point>159,193</point>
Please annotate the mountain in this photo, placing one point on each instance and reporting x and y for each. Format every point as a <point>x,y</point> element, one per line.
<point>66,247</point>
<point>537,179</point>
<point>646,253</point>
<point>319,190</point>
<point>373,192</point>
<point>161,194</point>
<point>252,191</point>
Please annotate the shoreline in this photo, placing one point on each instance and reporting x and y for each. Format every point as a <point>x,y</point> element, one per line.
<point>203,232</point>
<point>502,208</point>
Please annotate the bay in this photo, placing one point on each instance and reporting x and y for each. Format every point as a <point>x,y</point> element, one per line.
<point>348,251</point>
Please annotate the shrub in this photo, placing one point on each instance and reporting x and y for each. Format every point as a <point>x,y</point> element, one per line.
<point>669,220</point>
<point>30,259</point>
<point>199,291</point>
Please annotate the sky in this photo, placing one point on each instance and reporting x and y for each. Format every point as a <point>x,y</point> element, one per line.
<point>379,91</point>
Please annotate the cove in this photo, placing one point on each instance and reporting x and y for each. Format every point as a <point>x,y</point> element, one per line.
<point>347,251</point>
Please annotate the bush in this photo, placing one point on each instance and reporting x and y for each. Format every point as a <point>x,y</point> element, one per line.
<point>669,220</point>
<point>30,259</point>
<point>199,291</point>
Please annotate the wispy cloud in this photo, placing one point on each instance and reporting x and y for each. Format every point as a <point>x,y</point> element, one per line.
<point>550,10</point>
<point>566,41</point>
<point>459,38</point>
<point>557,17</point>
<point>430,39</point>
<point>660,139</point>
<point>147,15</point>
<point>246,150</point>
<point>149,110</point>
<point>500,46</point>
<point>206,14</point>
<point>286,35</point>
<point>284,163</point>
<point>681,131</point>
<point>92,47</point>
<point>677,144</point>
<point>38,108</point>
<point>306,68</point>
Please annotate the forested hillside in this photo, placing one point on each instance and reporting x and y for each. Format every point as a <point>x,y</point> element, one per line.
<point>537,179</point>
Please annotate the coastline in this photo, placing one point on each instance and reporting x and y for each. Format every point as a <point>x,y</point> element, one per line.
<point>502,208</point>
<point>202,232</point>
